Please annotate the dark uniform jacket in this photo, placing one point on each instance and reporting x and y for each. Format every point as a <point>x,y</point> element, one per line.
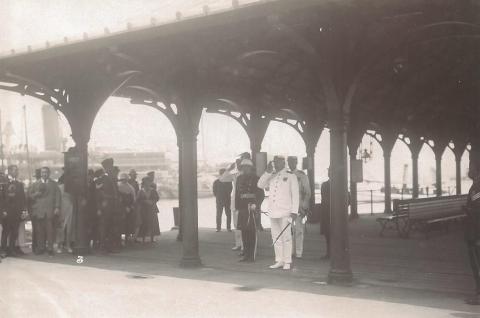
<point>472,222</point>
<point>247,192</point>
<point>14,199</point>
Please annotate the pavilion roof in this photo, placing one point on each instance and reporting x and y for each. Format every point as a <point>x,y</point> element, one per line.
<point>414,61</point>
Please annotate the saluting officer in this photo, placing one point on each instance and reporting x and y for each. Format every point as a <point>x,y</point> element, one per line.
<point>304,205</point>
<point>247,203</point>
<point>472,234</point>
<point>283,203</point>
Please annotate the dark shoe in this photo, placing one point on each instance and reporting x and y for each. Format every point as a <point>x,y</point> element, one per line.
<point>50,253</point>
<point>218,230</point>
<point>246,259</point>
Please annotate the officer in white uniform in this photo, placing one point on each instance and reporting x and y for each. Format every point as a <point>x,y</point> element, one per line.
<point>283,203</point>
<point>304,194</point>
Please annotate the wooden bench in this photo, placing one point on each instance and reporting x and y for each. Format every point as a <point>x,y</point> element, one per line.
<point>421,214</point>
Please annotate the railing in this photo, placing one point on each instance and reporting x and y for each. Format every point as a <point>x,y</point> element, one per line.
<point>368,198</point>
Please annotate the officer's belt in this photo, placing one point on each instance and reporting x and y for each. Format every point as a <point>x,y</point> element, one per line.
<point>248,196</point>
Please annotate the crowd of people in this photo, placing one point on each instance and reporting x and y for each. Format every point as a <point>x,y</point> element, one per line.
<point>240,192</point>
<point>119,211</point>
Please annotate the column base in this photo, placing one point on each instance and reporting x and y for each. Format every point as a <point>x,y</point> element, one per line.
<point>341,278</point>
<point>191,262</point>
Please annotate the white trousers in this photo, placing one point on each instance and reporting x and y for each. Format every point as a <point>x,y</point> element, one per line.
<point>283,246</point>
<point>298,234</point>
<point>237,233</point>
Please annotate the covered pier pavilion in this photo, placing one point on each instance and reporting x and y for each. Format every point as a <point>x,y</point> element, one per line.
<point>400,69</point>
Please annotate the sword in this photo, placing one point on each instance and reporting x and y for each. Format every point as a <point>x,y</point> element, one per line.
<point>284,229</point>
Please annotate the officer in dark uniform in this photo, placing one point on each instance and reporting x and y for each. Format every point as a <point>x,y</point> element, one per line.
<point>3,215</point>
<point>247,201</point>
<point>472,224</point>
<point>14,205</point>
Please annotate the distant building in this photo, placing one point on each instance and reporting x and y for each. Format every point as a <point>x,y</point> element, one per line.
<point>51,129</point>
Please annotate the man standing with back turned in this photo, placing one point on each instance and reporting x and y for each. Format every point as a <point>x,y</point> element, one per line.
<point>472,223</point>
<point>222,192</point>
<point>283,203</point>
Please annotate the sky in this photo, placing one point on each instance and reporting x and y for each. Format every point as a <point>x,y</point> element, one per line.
<point>121,125</point>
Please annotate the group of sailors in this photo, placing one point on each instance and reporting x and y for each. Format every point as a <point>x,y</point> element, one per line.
<point>289,195</point>
<point>119,210</point>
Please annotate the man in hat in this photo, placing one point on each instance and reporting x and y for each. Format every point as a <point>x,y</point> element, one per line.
<point>472,233</point>
<point>247,202</point>
<point>283,204</point>
<point>230,176</point>
<point>304,195</point>
<point>222,192</point>
<point>151,176</point>
<point>127,198</point>
<point>106,197</point>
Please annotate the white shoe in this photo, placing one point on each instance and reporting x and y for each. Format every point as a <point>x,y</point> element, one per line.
<point>277,265</point>
<point>287,266</point>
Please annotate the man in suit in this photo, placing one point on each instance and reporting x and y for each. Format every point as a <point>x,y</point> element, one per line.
<point>222,192</point>
<point>325,215</point>
<point>46,198</point>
